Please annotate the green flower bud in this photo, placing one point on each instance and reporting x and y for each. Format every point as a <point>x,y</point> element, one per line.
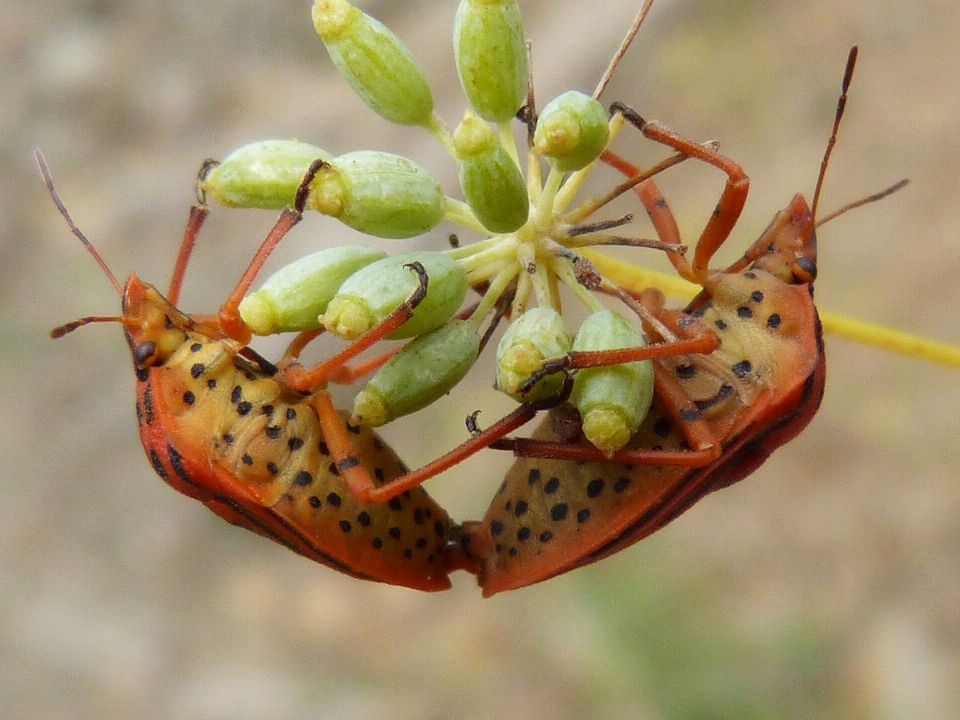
<point>490,179</point>
<point>425,370</point>
<point>374,62</point>
<point>262,174</point>
<point>491,53</point>
<point>572,131</point>
<point>292,298</point>
<point>538,335</point>
<point>378,194</point>
<point>612,400</point>
<point>368,296</point>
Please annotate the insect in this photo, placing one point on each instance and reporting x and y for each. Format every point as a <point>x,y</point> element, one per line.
<point>219,424</point>
<point>716,417</point>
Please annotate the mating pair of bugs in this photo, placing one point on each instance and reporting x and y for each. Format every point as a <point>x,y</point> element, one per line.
<point>738,372</point>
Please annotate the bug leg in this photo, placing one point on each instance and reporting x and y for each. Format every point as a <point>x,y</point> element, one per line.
<point>678,330</point>
<point>335,368</point>
<point>336,434</point>
<point>732,199</point>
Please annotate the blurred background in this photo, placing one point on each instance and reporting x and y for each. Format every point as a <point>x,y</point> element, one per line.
<point>826,585</point>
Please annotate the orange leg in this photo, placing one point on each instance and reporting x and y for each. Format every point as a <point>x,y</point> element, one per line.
<point>732,199</point>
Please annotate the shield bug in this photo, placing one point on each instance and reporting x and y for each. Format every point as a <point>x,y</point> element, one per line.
<point>219,424</point>
<point>715,417</point>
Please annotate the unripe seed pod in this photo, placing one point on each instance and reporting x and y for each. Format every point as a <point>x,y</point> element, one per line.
<point>368,296</point>
<point>490,179</point>
<point>538,335</point>
<point>262,174</point>
<point>292,298</point>
<point>378,194</point>
<point>612,400</point>
<point>426,369</point>
<point>374,62</point>
<point>571,131</point>
<point>491,53</point>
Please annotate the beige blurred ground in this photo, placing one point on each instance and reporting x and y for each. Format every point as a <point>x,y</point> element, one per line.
<point>825,586</point>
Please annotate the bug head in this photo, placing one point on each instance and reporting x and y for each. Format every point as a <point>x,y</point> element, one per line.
<point>788,247</point>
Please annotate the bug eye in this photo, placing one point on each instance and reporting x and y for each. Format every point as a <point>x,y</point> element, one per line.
<point>144,352</point>
<point>805,270</point>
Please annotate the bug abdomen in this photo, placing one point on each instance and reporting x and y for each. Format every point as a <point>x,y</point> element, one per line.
<point>219,429</point>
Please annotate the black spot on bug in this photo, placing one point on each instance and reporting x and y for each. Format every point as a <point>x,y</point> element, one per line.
<point>246,459</point>
<point>408,553</point>
<point>303,479</point>
<point>523,534</point>
<point>546,536</point>
<point>228,438</point>
<point>621,484</point>
<point>686,371</point>
<point>496,528</point>
<point>377,543</point>
<point>379,474</point>
<point>521,509</point>
<point>334,499</point>
<point>377,443</point>
<point>773,322</point>
<point>558,512</point>
<point>324,450</point>
<point>272,432</point>
<point>236,394</point>
<point>744,313</point>
<point>756,296</point>
<point>314,502</point>
<point>421,543</point>
<point>355,430</point>
<point>750,275</point>
<point>267,410</point>
<point>418,517</point>
<point>345,526</point>
<point>291,414</point>
<point>244,408</point>
<point>332,469</point>
<point>196,347</point>
<point>438,529</point>
<point>699,312</point>
<point>552,485</point>
<point>196,370</point>
<point>157,463</point>
<point>295,443</point>
<point>272,468</point>
<point>189,398</point>
<point>533,476</point>
<point>688,415</point>
<point>503,486</point>
<point>364,518</point>
<point>661,427</point>
<point>348,462</point>
<point>595,487</point>
<point>742,368</point>
<point>394,532</point>
<point>583,515</point>
<point>513,552</point>
<point>212,383</point>
<point>508,505</point>
<point>395,504</point>
<point>721,325</point>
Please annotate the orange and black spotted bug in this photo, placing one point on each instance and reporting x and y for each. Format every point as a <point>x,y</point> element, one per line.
<point>716,416</point>
<point>218,424</point>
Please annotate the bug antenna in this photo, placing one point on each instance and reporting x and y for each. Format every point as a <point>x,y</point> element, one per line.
<point>864,201</point>
<point>841,106</point>
<point>618,55</point>
<point>48,179</point>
